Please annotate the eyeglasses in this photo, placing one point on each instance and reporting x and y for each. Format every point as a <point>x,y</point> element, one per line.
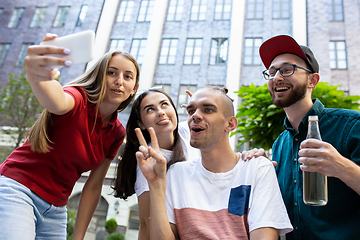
<point>285,71</point>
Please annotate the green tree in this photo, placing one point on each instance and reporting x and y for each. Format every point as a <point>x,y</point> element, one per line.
<point>19,109</point>
<point>116,236</point>
<point>261,122</point>
<point>70,225</point>
<point>111,226</point>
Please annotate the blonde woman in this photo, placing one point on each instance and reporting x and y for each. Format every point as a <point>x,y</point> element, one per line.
<point>77,132</point>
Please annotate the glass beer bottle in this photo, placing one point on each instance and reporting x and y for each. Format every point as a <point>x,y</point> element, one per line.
<point>315,190</point>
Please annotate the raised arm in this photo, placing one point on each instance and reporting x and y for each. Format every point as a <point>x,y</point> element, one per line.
<point>41,76</point>
<point>153,165</point>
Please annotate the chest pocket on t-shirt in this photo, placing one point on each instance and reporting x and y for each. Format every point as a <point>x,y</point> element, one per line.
<point>239,200</point>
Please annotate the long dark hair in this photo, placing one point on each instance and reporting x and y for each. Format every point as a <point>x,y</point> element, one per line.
<point>126,171</point>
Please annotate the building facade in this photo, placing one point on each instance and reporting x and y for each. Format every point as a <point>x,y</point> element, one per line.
<point>184,45</point>
<point>25,23</point>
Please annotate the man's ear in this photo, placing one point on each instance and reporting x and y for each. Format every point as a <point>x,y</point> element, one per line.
<point>232,124</point>
<point>140,124</point>
<point>314,79</point>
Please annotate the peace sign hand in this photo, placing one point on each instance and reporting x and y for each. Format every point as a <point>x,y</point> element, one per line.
<point>149,159</point>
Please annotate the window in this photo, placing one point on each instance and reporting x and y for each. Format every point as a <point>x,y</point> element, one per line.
<point>38,17</point>
<point>138,49</point>
<point>219,50</point>
<point>15,17</point>
<point>164,87</point>
<point>125,11</point>
<point>4,48</point>
<point>61,15</point>
<point>82,15</point>
<point>22,54</point>
<point>193,51</point>
<point>222,10</point>
<point>337,52</point>
<point>198,10</point>
<point>252,51</point>
<point>97,221</point>
<point>281,9</point>
<point>183,97</point>
<point>146,9</point>
<point>134,222</point>
<point>168,51</point>
<point>255,9</point>
<point>117,44</point>
<point>335,10</point>
<point>176,8</point>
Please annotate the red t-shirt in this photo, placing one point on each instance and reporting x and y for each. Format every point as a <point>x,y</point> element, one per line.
<point>76,148</point>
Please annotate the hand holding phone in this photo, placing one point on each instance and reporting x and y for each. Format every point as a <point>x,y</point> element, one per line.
<point>81,46</point>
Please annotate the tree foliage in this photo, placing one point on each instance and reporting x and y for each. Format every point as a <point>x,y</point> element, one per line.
<point>111,225</point>
<point>19,107</point>
<point>116,236</point>
<point>260,122</point>
<point>70,225</point>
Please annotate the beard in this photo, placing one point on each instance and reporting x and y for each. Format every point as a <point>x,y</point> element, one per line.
<point>295,95</point>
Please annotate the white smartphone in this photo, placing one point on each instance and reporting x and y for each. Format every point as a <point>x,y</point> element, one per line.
<point>81,46</point>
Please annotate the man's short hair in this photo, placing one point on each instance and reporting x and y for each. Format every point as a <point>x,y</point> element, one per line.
<point>229,111</point>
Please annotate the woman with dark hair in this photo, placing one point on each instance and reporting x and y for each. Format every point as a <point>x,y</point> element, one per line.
<point>77,132</point>
<point>153,108</point>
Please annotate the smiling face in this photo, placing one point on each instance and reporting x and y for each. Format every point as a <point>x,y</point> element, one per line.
<point>286,91</point>
<point>207,118</point>
<point>121,80</point>
<point>157,111</point>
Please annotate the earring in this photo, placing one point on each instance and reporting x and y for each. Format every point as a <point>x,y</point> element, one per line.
<point>132,94</point>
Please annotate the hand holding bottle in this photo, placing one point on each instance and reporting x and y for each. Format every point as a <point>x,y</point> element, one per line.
<point>321,157</point>
<point>315,189</point>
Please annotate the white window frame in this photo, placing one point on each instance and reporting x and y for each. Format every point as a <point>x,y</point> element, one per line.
<point>193,51</point>
<point>117,44</point>
<point>22,54</point>
<point>146,10</point>
<point>175,10</point>
<point>281,9</point>
<point>82,15</point>
<point>223,9</point>
<point>125,11</point>
<point>137,49</point>
<point>335,10</point>
<point>164,87</point>
<point>61,16</point>
<point>4,49</point>
<point>219,51</point>
<point>251,53</point>
<point>183,97</point>
<point>16,17</point>
<point>255,9</point>
<point>38,17</point>
<point>168,51</point>
<point>338,56</point>
<point>198,10</point>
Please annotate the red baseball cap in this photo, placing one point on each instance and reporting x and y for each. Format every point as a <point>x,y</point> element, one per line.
<point>286,44</point>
